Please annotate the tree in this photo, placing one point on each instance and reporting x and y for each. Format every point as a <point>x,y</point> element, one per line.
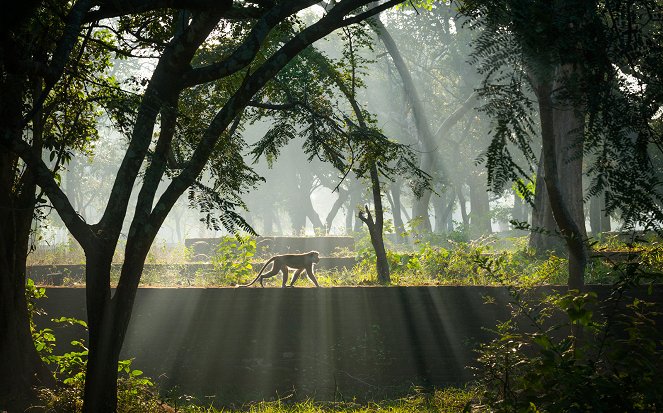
<point>575,63</point>
<point>432,48</point>
<point>267,38</point>
<point>429,159</point>
<point>59,120</point>
<point>367,150</point>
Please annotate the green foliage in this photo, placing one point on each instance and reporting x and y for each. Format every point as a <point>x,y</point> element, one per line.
<point>617,58</point>
<point>136,393</point>
<point>44,339</point>
<point>232,260</point>
<point>438,261</point>
<point>571,352</point>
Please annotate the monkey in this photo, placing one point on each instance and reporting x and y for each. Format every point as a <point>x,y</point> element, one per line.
<point>300,262</point>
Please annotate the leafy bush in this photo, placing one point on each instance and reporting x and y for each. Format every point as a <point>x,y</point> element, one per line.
<point>232,260</point>
<point>605,362</point>
<point>136,393</point>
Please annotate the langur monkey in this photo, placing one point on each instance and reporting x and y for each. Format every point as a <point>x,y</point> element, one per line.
<point>300,262</point>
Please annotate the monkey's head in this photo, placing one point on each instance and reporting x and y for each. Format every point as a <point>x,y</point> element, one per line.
<point>315,256</point>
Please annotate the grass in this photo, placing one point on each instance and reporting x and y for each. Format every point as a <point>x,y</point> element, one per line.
<point>144,399</point>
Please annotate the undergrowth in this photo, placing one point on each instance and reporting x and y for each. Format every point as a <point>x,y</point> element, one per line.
<point>559,353</point>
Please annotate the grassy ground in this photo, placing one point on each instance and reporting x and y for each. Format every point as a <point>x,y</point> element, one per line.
<point>141,399</point>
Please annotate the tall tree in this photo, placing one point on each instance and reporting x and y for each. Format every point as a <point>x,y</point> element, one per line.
<point>51,118</point>
<point>574,63</point>
<point>429,157</point>
<point>269,39</point>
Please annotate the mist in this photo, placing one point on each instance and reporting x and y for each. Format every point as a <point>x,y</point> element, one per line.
<point>298,194</point>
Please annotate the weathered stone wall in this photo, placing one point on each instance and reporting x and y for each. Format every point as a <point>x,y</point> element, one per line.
<point>235,345</point>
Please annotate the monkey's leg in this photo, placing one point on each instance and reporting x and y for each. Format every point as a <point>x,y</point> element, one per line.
<point>296,276</point>
<point>284,270</point>
<point>275,270</point>
<point>309,272</point>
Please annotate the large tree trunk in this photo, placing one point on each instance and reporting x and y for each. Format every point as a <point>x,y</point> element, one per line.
<point>21,369</point>
<point>108,318</point>
<point>544,238</point>
<point>567,129</point>
<point>565,215</point>
<point>100,393</point>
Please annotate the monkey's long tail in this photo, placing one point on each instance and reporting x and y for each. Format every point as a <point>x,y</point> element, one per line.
<point>258,276</point>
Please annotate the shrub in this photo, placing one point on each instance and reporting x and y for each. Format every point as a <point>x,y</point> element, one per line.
<point>605,362</point>
<point>232,260</point>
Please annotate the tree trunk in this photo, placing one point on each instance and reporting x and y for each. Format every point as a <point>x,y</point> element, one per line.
<point>356,198</point>
<point>544,237</point>
<point>21,368</point>
<point>568,126</point>
<point>375,228</point>
<point>599,221</point>
<point>396,210</point>
<point>342,199</point>
<point>443,211</point>
<point>479,208</point>
<point>100,393</point>
<point>564,215</point>
<point>312,215</point>
<point>463,208</point>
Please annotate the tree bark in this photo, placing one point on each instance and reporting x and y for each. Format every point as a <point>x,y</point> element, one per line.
<point>544,237</point>
<point>375,228</point>
<point>23,369</point>
<point>570,230</point>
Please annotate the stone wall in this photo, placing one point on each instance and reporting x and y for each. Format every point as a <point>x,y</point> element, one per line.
<point>236,345</point>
